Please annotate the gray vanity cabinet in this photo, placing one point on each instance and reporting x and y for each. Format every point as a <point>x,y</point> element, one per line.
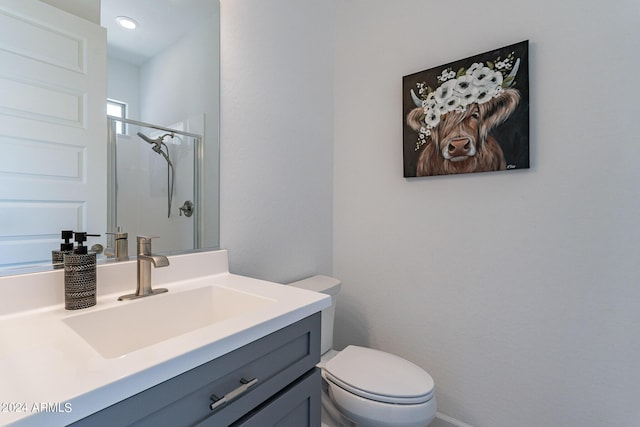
<point>269,382</point>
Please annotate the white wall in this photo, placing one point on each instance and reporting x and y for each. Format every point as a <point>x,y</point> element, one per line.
<point>123,84</point>
<point>181,81</point>
<point>518,291</point>
<point>276,133</point>
<point>87,9</point>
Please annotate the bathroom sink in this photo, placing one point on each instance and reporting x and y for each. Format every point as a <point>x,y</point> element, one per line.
<point>128,326</point>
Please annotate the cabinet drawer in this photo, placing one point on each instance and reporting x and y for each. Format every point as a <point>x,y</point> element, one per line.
<point>275,361</point>
<point>298,405</point>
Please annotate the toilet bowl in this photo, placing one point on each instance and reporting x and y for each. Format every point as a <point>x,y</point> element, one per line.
<point>364,387</point>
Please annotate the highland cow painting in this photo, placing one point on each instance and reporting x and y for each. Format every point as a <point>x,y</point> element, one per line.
<point>467,116</point>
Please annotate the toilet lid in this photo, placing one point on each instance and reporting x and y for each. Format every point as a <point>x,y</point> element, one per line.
<point>379,376</point>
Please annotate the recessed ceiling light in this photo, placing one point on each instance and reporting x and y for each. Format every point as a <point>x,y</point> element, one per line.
<point>126,22</point>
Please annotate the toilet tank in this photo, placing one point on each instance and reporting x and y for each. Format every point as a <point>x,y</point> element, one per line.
<point>330,286</point>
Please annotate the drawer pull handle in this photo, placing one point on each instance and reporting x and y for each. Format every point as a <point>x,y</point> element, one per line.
<point>220,401</point>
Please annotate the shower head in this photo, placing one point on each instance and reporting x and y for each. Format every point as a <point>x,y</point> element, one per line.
<point>149,140</point>
<point>156,141</point>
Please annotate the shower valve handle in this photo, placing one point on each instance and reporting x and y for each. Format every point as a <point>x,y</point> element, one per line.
<point>187,209</point>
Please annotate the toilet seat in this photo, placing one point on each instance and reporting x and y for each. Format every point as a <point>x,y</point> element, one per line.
<point>379,376</point>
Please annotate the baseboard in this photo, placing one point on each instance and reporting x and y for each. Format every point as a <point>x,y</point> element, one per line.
<point>443,420</point>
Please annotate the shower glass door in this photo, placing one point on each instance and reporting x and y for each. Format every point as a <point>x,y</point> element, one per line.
<point>154,184</point>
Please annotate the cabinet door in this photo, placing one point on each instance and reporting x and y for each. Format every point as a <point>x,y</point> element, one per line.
<point>296,406</point>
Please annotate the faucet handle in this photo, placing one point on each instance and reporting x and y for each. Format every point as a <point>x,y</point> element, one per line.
<point>146,239</point>
<point>144,244</point>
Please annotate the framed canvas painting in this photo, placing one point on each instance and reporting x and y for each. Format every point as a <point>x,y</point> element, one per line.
<point>470,115</point>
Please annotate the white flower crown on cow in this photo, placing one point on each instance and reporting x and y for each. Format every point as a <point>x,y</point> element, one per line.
<point>479,83</point>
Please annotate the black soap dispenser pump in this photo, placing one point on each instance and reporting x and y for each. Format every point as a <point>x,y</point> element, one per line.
<point>80,275</point>
<point>57,256</point>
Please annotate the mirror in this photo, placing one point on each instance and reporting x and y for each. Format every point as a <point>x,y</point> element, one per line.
<point>166,72</point>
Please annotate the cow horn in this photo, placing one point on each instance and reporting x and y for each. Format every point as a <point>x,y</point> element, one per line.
<point>514,71</point>
<point>415,98</point>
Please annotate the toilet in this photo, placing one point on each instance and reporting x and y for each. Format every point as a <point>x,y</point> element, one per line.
<point>364,387</point>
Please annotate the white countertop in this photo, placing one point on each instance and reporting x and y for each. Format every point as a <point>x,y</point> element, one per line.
<point>49,375</point>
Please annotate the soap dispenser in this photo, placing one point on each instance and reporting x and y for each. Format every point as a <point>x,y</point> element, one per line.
<point>80,275</point>
<point>57,257</point>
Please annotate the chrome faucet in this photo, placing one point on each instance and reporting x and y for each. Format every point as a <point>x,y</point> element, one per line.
<point>145,259</point>
<point>120,246</point>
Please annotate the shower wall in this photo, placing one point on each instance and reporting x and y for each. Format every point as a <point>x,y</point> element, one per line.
<point>142,189</point>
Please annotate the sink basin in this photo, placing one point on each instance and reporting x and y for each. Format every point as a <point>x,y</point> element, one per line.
<point>131,325</point>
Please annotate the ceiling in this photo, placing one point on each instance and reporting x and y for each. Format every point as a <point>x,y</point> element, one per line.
<point>161,23</point>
